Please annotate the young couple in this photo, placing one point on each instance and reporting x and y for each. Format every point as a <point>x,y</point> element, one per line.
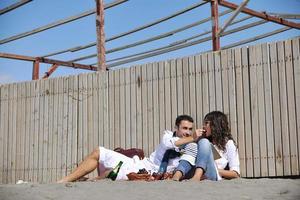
<point>197,148</point>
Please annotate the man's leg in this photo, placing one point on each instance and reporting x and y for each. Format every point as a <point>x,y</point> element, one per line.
<point>88,165</point>
<point>181,170</point>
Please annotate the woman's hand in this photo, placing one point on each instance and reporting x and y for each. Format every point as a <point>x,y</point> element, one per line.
<point>198,134</point>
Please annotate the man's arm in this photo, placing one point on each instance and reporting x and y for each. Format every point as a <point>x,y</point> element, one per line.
<point>184,140</point>
<point>171,142</point>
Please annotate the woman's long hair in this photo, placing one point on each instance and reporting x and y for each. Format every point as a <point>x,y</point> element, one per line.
<point>220,131</point>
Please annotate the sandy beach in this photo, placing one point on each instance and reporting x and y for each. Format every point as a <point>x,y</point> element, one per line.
<point>164,190</point>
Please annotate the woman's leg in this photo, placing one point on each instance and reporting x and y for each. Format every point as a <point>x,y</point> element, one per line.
<point>88,165</point>
<point>205,163</point>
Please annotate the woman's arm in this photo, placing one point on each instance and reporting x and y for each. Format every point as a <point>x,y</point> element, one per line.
<point>228,174</point>
<point>233,161</point>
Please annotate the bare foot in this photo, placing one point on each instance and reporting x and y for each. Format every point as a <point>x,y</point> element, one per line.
<point>177,176</point>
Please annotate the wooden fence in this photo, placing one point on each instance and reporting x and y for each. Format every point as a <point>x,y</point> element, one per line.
<point>48,126</point>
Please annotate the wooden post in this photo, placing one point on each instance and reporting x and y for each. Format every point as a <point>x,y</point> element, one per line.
<point>100,35</point>
<point>215,25</point>
<point>36,70</point>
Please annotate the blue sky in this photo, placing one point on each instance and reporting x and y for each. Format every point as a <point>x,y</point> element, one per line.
<point>122,18</point>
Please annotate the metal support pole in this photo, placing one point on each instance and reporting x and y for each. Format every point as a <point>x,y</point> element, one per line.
<point>215,25</point>
<point>100,35</point>
<point>36,70</point>
<point>261,15</point>
<point>233,16</point>
<point>50,71</point>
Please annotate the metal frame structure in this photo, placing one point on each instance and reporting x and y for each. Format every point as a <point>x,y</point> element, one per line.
<point>216,33</point>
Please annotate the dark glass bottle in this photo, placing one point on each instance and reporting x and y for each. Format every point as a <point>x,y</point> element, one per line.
<point>114,173</point>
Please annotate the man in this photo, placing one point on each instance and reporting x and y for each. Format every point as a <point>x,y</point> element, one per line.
<point>109,159</point>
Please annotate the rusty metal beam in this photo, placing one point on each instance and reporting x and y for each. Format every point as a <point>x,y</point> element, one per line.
<point>261,15</point>
<point>36,70</point>
<point>49,61</point>
<point>100,35</point>
<point>50,71</point>
<point>215,25</point>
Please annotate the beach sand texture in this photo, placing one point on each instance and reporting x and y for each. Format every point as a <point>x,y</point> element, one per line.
<point>158,190</point>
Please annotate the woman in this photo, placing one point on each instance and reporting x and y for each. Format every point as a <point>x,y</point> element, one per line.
<point>215,134</point>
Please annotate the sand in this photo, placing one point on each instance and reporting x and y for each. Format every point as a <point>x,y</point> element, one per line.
<point>164,190</point>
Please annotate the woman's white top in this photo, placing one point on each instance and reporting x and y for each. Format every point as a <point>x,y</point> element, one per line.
<point>230,156</point>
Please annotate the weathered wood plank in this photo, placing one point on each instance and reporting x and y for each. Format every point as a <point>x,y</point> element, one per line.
<point>192,90</point>
<point>118,130</point>
<point>260,70</point>
<point>98,133</point>
<point>27,104</point>
<point>90,111</point>
<point>45,133</point>
<point>4,104</point>
<point>296,66</point>
<point>237,53</point>
<point>105,114</point>
<point>268,110</point>
<point>205,84</point>
<point>144,104</point>
<point>128,110</point>
<point>139,121</point>
<point>291,104</point>
<point>156,106</point>
<point>211,82</point>
<point>179,84</point>
<point>276,108</point>
<point>59,155</point>
<point>81,96</point>
<point>162,97</point>
<point>35,139</point>
<point>65,116</point>
<point>218,78</point>
<point>247,111</point>
<point>232,95</point>
<point>19,162</point>
<point>133,105</point>
<point>150,106</point>
<point>50,130</point>
<point>111,109</point>
<point>226,63</point>
<point>174,95</point>
<point>185,86</point>
<point>254,110</point>
<point>199,91</point>
<point>75,116</point>
<point>168,95</point>
<point>284,110</point>
<point>122,97</point>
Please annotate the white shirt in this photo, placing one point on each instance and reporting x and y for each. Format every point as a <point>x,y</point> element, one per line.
<point>230,156</point>
<point>167,142</point>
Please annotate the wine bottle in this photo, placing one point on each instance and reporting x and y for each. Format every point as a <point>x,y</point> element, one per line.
<point>114,173</point>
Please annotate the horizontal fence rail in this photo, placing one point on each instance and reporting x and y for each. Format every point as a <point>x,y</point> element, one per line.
<point>48,126</point>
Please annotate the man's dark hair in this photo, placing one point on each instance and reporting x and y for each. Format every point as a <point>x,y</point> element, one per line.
<point>183,118</point>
